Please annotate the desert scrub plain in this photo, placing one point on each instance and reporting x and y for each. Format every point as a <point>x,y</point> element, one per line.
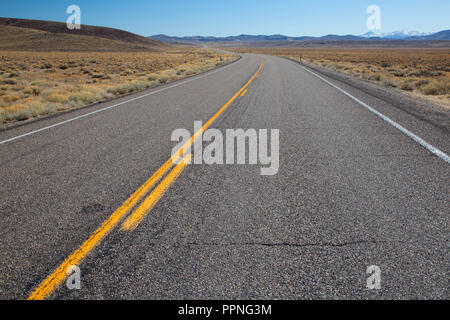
<point>33,84</point>
<point>420,72</point>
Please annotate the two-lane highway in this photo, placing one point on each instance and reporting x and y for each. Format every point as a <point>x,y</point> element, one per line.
<point>352,191</point>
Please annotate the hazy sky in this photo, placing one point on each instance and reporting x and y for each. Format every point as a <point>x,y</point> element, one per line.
<point>232,17</point>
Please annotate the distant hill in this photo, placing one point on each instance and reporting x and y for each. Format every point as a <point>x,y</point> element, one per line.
<point>443,35</point>
<point>394,39</point>
<point>22,34</point>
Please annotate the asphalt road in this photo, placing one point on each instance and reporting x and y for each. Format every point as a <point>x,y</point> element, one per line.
<point>352,191</point>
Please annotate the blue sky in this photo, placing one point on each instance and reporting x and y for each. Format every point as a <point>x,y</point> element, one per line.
<point>232,17</point>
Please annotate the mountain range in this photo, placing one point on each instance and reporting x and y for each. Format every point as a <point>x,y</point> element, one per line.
<point>397,35</point>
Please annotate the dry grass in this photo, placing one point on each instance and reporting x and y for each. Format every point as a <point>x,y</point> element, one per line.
<point>421,72</point>
<point>24,39</point>
<point>34,84</point>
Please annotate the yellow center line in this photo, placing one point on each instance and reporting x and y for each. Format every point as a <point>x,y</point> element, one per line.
<point>243,93</point>
<point>138,215</point>
<point>218,113</point>
<point>55,279</point>
<point>58,276</point>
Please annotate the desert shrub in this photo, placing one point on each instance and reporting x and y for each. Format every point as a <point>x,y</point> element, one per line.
<point>171,74</point>
<point>163,79</point>
<point>86,96</point>
<point>9,81</point>
<point>139,85</point>
<point>45,93</point>
<point>50,108</point>
<point>189,72</point>
<point>10,98</point>
<point>101,76</point>
<point>180,71</point>
<point>389,83</point>
<point>106,95</point>
<point>41,83</point>
<point>21,115</point>
<point>422,82</point>
<point>434,88</point>
<point>153,77</point>
<point>35,91</point>
<point>27,91</point>
<point>118,90</point>
<point>57,98</point>
<point>437,73</point>
<point>82,97</point>
<point>407,86</point>
<point>15,113</point>
<point>128,88</point>
<point>414,73</point>
<point>425,73</point>
<point>374,77</point>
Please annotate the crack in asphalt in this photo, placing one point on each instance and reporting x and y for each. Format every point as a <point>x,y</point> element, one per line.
<point>289,244</point>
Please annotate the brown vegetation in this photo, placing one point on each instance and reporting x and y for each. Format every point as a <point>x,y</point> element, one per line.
<point>55,36</point>
<point>38,83</point>
<point>26,39</point>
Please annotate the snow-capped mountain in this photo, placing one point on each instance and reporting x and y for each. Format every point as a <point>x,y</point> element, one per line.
<point>401,34</point>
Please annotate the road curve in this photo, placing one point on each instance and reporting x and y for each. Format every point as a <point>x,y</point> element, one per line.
<point>352,191</point>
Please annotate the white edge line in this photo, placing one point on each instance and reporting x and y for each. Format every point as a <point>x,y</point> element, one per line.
<point>417,139</point>
<point>113,106</point>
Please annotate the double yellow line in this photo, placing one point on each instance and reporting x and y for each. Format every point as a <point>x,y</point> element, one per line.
<point>136,217</point>
<point>60,274</point>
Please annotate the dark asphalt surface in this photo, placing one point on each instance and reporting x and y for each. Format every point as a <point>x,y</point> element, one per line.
<point>351,191</point>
